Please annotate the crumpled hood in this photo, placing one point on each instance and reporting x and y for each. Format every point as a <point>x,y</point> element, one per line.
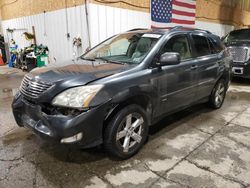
<point>78,74</point>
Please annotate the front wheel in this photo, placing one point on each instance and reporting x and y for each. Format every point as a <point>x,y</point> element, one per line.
<point>218,95</point>
<point>127,132</point>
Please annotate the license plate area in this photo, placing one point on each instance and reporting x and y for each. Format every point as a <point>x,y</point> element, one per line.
<point>238,70</point>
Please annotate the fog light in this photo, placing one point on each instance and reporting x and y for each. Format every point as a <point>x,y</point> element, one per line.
<point>71,139</point>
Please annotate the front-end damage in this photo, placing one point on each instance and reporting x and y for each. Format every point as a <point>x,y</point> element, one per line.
<point>59,123</point>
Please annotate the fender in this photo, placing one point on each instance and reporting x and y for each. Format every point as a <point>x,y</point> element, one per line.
<point>142,96</point>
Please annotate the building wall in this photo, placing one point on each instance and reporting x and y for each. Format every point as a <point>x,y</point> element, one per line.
<point>19,8</point>
<point>50,18</point>
<point>104,21</point>
<point>234,12</point>
<point>51,30</point>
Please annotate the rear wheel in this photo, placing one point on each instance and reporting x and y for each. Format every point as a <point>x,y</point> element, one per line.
<point>218,95</point>
<point>127,132</point>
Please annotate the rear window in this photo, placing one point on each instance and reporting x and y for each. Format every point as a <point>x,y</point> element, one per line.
<point>201,45</point>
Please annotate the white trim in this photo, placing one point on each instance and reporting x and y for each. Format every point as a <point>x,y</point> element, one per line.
<point>190,10</point>
<point>191,2</point>
<point>179,17</point>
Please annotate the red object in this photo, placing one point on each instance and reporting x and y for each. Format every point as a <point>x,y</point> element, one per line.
<point>1,60</point>
<point>171,13</point>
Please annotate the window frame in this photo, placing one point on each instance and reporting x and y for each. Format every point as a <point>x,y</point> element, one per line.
<point>212,46</point>
<point>218,45</point>
<point>194,48</point>
<point>132,32</point>
<point>187,35</point>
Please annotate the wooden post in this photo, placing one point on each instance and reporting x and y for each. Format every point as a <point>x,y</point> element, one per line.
<point>34,33</point>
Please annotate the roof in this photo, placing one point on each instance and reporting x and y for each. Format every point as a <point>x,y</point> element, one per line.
<point>167,30</point>
<point>242,29</point>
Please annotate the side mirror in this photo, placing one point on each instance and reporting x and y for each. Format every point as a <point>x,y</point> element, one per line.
<point>169,58</point>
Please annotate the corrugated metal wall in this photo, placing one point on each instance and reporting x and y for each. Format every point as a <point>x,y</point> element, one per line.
<point>104,21</point>
<point>51,27</point>
<point>51,30</point>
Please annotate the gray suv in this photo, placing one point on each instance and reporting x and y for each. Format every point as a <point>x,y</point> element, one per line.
<point>115,91</point>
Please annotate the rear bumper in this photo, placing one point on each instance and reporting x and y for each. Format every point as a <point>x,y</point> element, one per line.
<point>56,127</point>
<point>241,70</point>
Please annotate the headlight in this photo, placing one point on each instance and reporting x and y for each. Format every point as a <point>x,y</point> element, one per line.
<point>77,97</point>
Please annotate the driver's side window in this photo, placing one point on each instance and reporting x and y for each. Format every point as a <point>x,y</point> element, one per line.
<point>180,45</point>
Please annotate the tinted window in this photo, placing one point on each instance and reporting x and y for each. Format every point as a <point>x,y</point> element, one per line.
<point>212,47</point>
<point>215,46</point>
<point>243,34</point>
<point>180,45</point>
<point>201,45</point>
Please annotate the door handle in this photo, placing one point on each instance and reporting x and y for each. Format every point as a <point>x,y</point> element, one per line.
<point>194,67</point>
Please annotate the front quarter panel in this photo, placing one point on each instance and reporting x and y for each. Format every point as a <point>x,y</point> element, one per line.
<point>118,89</point>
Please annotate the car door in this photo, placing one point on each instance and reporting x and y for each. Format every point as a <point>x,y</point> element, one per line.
<point>208,65</point>
<point>177,84</point>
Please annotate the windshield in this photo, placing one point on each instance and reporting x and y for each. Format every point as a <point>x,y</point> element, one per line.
<point>125,48</point>
<point>238,35</point>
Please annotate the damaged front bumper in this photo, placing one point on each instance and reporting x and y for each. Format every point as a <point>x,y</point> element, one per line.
<point>86,127</point>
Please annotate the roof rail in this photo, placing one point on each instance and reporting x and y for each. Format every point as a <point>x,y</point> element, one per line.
<point>136,29</point>
<point>202,30</point>
<point>176,27</point>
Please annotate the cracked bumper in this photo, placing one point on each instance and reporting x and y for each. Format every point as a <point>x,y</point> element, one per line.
<point>56,127</point>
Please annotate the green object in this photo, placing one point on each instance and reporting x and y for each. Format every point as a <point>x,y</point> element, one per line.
<point>42,60</point>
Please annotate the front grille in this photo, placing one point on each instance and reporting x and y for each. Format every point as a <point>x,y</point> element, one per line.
<point>239,54</point>
<point>33,89</point>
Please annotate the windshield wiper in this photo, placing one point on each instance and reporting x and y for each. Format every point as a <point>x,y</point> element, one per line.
<point>109,61</point>
<point>103,59</point>
<point>87,59</point>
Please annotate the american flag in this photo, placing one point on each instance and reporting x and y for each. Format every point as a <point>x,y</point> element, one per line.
<point>170,13</point>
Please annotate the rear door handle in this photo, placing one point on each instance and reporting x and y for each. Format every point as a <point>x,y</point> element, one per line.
<point>194,67</point>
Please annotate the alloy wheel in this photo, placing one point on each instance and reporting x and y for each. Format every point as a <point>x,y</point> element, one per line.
<point>219,94</point>
<point>130,130</point>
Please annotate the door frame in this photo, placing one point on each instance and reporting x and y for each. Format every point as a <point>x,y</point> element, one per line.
<point>185,62</point>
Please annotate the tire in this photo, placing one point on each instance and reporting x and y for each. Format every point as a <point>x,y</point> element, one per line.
<point>218,95</point>
<point>130,138</point>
